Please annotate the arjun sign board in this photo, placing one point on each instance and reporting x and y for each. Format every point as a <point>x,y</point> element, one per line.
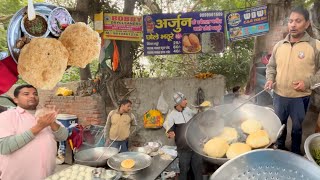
<point>122,27</point>
<point>247,23</point>
<point>181,33</point>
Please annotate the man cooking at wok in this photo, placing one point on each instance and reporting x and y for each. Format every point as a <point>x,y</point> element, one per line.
<point>175,125</point>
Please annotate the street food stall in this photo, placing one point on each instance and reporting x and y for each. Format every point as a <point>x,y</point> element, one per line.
<point>43,47</point>
<point>42,61</point>
<point>106,162</point>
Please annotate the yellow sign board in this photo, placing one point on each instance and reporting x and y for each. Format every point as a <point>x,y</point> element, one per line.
<point>122,27</point>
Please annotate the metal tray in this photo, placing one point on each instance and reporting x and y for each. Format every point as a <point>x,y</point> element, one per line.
<point>14,29</point>
<point>142,161</point>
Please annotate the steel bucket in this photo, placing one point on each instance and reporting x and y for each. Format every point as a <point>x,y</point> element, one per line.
<point>89,157</point>
<point>204,126</point>
<point>267,164</point>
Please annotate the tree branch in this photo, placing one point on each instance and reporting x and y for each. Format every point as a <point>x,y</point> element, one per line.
<point>152,5</point>
<point>195,5</point>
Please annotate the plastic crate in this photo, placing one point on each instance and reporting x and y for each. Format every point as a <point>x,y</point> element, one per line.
<point>93,136</point>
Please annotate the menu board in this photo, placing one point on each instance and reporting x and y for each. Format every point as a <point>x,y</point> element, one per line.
<point>122,27</point>
<point>247,23</point>
<point>183,33</point>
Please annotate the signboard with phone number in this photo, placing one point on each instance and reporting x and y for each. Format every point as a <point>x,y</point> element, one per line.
<point>247,23</point>
<point>183,33</point>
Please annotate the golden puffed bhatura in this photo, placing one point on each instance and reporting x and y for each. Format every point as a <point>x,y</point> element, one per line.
<point>186,41</point>
<point>216,147</point>
<point>82,42</point>
<point>229,134</point>
<point>258,139</point>
<point>128,163</point>
<point>237,149</point>
<point>194,40</point>
<point>42,62</point>
<point>250,126</point>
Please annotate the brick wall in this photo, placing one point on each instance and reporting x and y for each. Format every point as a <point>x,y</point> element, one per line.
<point>145,95</point>
<point>89,109</point>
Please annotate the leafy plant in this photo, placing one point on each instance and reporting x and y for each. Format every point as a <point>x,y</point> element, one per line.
<point>234,63</point>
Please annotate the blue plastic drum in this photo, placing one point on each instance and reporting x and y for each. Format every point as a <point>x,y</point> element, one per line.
<point>67,119</point>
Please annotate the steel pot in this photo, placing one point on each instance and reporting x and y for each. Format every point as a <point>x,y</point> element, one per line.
<point>205,125</point>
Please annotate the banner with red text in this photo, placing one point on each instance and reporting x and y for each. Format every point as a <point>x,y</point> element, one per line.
<point>122,27</point>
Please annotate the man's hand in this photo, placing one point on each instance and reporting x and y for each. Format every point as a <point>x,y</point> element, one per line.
<point>43,122</point>
<point>55,126</point>
<point>268,85</point>
<point>299,85</point>
<point>171,134</point>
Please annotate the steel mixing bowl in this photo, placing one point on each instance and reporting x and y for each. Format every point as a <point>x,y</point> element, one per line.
<point>153,145</point>
<point>311,143</point>
<point>110,174</point>
<point>144,149</point>
<point>205,125</point>
<point>89,157</point>
<point>267,164</point>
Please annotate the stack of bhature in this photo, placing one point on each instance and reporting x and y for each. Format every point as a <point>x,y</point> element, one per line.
<point>83,44</point>
<point>229,144</point>
<point>42,62</point>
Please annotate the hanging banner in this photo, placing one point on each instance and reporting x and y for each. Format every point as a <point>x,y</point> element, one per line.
<point>183,33</point>
<point>247,23</point>
<point>122,27</point>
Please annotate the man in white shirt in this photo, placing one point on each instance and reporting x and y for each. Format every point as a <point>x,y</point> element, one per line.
<point>175,125</point>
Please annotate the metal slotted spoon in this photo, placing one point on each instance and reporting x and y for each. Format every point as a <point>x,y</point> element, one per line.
<point>267,164</point>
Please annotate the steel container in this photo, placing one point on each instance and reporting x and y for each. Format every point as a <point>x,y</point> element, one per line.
<point>267,164</point>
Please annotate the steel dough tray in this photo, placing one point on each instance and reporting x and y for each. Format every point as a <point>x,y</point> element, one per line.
<point>267,164</point>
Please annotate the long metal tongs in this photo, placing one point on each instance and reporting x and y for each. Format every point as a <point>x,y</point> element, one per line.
<point>107,148</point>
<point>221,118</point>
<point>248,100</point>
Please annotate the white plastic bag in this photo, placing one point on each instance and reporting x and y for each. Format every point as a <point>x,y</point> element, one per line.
<point>162,104</point>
